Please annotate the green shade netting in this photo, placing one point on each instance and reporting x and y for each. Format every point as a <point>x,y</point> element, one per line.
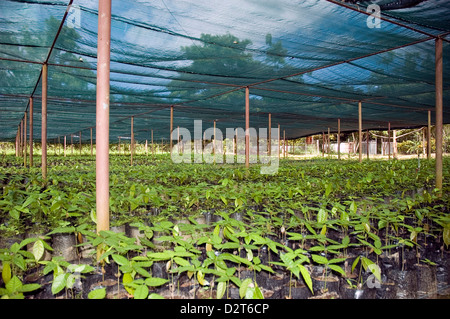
<point>307,63</point>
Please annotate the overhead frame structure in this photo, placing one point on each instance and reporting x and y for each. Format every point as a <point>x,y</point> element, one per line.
<point>307,65</point>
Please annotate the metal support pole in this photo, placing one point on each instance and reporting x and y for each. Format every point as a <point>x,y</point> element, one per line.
<point>102,114</point>
<point>132,141</point>
<point>31,131</point>
<point>171,129</point>
<point>429,136</point>
<point>44,121</point>
<point>360,130</point>
<point>439,114</point>
<point>269,140</point>
<point>25,140</point>
<point>247,127</point>
<point>279,138</point>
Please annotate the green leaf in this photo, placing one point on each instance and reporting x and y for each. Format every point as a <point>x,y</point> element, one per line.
<point>244,286</point>
<point>258,293</point>
<point>59,282</point>
<point>155,281</point>
<point>446,235</point>
<point>141,292</point>
<point>355,262</point>
<point>322,216</point>
<point>38,249</point>
<point>14,285</point>
<point>306,277</point>
<point>30,287</point>
<point>6,272</point>
<point>338,269</point>
<point>221,288</point>
<point>155,296</point>
<point>319,259</point>
<point>97,293</point>
<point>120,260</point>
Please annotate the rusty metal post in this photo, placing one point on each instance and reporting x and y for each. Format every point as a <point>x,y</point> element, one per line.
<point>429,135</point>
<point>171,129</point>
<point>247,127</point>
<point>44,121</point>
<point>102,114</point>
<point>439,113</point>
<point>360,130</point>
<point>279,140</point>
<point>132,141</point>
<point>31,131</point>
<point>269,139</point>
<point>25,140</point>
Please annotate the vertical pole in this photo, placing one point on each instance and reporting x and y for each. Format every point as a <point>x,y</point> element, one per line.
<point>92,145</point>
<point>132,141</point>
<point>269,141</point>
<point>31,131</point>
<point>389,139</point>
<point>65,141</point>
<point>247,127</point>
<point>171,128</point>
<point>25,140</point>
<point>102,114</point>
<point>439,114</point>
<point>44,122</point>
<point>429,135</point>
<point>339,139</point>
<point>279,138</point>
<point>360,130</point>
